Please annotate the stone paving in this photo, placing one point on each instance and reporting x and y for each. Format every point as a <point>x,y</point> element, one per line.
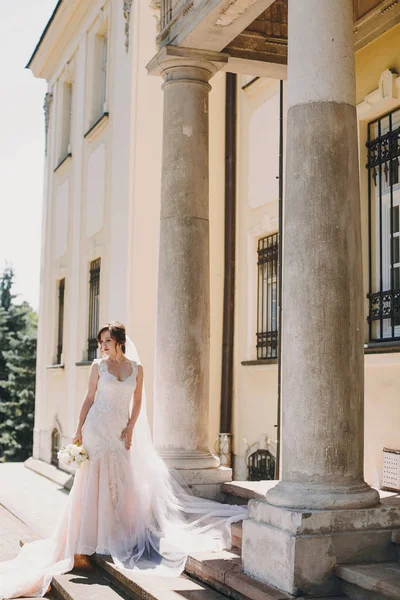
<point>37,501</point>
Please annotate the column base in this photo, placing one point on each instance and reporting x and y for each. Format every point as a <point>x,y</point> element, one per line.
<point>323,496</point>
<point>204,483</point>
<point>189,459</point>
<point>296,551</point>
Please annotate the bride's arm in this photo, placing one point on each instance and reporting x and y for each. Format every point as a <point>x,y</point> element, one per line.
<point>88,401</point>
<point>137,403</point>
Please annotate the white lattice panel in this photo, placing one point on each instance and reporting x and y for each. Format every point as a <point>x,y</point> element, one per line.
<point>391,469</point>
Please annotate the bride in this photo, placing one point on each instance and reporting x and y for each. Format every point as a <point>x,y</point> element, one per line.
<point>124,501</point>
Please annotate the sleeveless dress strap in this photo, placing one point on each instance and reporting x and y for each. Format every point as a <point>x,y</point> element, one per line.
<point>100,364</point>
<point>134,367</point>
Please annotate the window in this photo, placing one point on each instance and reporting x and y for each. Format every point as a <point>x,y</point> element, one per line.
<point>103,75</point>
<point>55,446</point>
<point>99,104</point>
<point>66,120</point>
<point>267,328</point>
<point>94,302</point>
<point>61,290</point>
<point>384,227</point>
<point>97,67</point>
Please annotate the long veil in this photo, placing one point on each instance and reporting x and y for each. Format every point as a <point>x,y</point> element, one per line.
<point>160,521</point>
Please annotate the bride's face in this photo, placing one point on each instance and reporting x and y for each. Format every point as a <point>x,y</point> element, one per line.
<point>107,344</point>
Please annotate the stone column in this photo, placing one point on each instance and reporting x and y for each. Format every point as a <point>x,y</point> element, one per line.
<point>323,315</point>
<point>294,538</point>
<point>183,305</point>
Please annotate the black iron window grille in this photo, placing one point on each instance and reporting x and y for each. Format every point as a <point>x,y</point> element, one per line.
<point>55,446</point>
<point>60,332</point>
<point>94,302</point>
<point>267,297</point>
<point>261,466</point>
<point>383,147</point>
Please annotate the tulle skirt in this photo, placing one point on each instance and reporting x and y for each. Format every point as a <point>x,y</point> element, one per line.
<point>130,508</point>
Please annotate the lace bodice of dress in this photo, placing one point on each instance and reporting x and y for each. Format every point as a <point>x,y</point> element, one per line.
<point>113,394</point>
<point>109,413</point>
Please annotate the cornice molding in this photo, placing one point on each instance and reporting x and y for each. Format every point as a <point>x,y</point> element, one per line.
<point>175,56</point>
<point>61,28</point>
<point>381,100</point>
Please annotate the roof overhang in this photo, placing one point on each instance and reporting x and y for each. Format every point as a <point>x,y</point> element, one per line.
<point>58,33</point>
<point>45,30</point>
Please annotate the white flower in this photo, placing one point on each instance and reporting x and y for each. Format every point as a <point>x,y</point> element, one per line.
<point>64,457</point>
<point>74,450</point>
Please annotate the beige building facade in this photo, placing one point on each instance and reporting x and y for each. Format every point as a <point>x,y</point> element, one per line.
<point>102,201</point>
<point>140,170</point>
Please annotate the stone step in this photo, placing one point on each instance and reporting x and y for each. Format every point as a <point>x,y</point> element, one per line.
<point>208,576</point>
<point>146,587</point>
<point>237,533</point>
<point>51,472</point>
<point>396,537</point>
<point>372,581</point>
<point>80,584</point>
<point>12,531</point>
<point>223,572</point>
<point>240,492</point>
<point>86,584</point>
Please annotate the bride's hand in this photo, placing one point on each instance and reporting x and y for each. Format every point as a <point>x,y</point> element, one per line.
<point>126,436</point>
<point>77,437</point>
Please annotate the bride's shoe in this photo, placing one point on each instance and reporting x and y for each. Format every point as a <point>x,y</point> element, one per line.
<point>82,561</point>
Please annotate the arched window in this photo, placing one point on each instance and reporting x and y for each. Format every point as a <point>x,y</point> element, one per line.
<point>55,446</point>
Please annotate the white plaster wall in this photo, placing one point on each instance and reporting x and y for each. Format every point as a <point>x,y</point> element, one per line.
<point>97,182</point>
<point>144,191</point>
<point>61,219</point>
<point>95,195</point>
<point>263,159</point>
<point>382,411</point>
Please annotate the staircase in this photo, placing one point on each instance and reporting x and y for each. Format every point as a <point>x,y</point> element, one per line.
<point>209,576</point>
<point>372,581</point>
<point>375,581</point>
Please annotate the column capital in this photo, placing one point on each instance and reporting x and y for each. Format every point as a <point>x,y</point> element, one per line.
<point>174,62</point>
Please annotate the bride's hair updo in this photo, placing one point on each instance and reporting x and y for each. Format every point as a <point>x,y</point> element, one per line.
<point>117,333</point>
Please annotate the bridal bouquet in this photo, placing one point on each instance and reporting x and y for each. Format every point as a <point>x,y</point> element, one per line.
<point>72,456</point>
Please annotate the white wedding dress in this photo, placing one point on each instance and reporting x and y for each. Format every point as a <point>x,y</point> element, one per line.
<point>123,503</point>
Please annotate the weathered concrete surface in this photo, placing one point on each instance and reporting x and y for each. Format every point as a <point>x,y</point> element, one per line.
<point>323,368</point>
<point>378,581</point>
<point>248,490</point>
<point>385,516</point>
<point>183,306</point>
<point>12,530</point>
<point>50,472</point>
<point>323,69</point>
<point>34,499</point>
<point>322,336</point>
<point>297,550</point>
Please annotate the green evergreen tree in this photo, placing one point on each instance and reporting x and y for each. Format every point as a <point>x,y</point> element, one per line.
<point>18,333</point>
<point>6,299</point>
